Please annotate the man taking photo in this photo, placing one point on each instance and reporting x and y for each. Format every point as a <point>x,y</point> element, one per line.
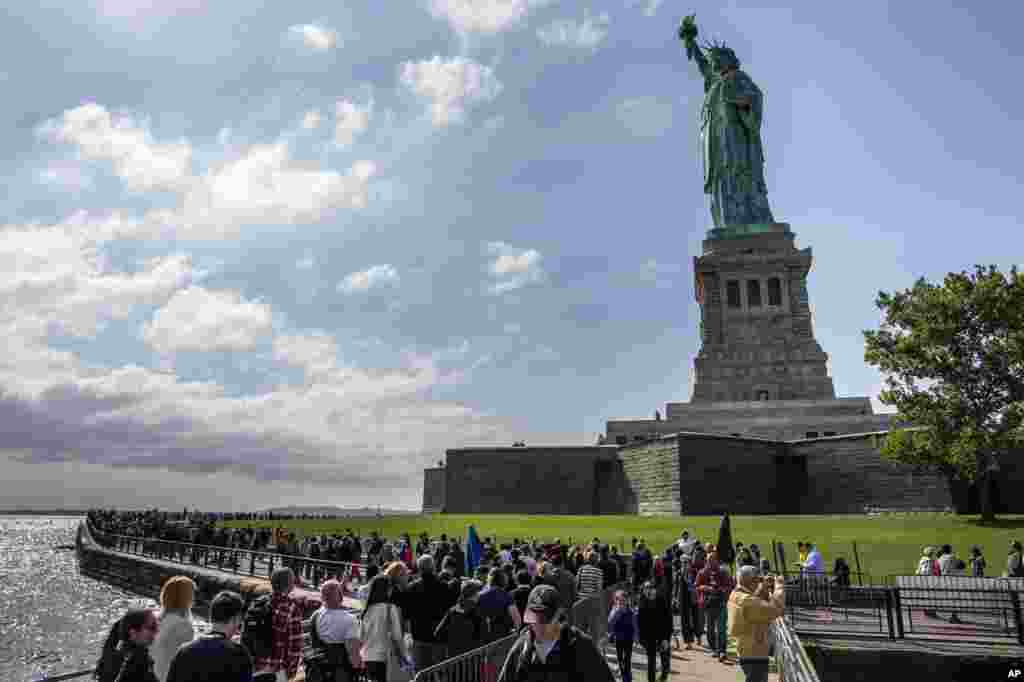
<point>753,606</point>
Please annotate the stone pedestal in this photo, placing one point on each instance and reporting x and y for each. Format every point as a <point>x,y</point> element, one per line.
<point>757,339</point>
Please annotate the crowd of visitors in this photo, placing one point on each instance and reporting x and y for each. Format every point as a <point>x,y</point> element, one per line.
<point>420,612</point>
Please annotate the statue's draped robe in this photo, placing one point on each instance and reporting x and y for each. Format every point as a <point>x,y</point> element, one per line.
<point>733,155</point>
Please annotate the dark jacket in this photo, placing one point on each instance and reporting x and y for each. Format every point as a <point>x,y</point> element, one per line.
<point>643,564</point>
<point>610,572</point>
<point>575,658</point>
<point>520,595</point>
<point>426,602</point>
<point>655,619</point>
<point>622,625</point>
<point>565,582</point>
<point>462,629</point>
<point>137,666</point>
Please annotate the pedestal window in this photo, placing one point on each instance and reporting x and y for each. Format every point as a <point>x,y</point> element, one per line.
<point>774,291</point>
<point>753,293</point>
<point>732,293</point>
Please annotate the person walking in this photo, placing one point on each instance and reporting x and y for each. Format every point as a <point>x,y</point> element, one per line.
<point>427,599</point>
<point>176,597</point>
<point>977,562</point>
<point>712,587</point>
<point>643,565</point>
<point>383,644</point>
<point>622,632</point>
<point>590,579</point>
<point>277,660</point>
<point>463,629</point>
<point>550,649</point>
<point>497,608</point>
<point>562,580</point>
<point>139,628</point>
<point>951,565</point>
<point>654,618</point>
<point>333,630</point>
<point>753,606</point>
<point>1015,561</point>
<point>215,656</point>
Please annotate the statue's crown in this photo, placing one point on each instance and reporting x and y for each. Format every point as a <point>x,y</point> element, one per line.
<point>721,55</point>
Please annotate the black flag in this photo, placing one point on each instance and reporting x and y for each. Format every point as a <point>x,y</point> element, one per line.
<point>726,551</point>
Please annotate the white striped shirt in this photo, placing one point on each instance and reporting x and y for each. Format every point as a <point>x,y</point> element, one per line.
<point>590,580</point>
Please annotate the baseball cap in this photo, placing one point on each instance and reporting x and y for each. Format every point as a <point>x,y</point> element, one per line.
<point>541,605</point>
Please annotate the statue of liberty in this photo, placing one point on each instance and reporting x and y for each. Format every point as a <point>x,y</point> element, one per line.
<point>730,136</point>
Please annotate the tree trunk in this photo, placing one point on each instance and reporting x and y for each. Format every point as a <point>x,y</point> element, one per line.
<point>988,513</point>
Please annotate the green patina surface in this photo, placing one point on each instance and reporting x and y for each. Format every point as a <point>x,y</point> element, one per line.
<point>737,231</point>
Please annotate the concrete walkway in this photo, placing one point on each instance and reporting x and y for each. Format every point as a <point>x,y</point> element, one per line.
<point>687,666</point>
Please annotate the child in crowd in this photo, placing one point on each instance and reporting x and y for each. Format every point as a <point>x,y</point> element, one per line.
<point>622,630</point>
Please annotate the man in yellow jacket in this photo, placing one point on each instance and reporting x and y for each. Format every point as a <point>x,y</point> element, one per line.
<point>753,605</point>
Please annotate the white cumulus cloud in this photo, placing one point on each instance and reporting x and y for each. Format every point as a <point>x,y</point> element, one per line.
<point>199,319</point>
<point>350,120</point>
<point>450,86</point>
<point>263,186</point>
<point>364,280</point>
<point>586,34</point>
<point>512,267</point>
<point>56,278</point>
<point>483,16</point>
<point>141,162</point>
<point>314,36</point>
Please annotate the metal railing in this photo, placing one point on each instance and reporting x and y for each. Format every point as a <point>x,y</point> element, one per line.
<point>67,676</point>
<point>947,608</point>
<point>483,664</point>
<point>791,660</point>
<point>231,559</point>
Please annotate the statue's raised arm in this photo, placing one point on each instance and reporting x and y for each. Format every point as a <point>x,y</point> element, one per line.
<point>688,34</point>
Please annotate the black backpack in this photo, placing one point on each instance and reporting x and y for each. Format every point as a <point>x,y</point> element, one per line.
<point>111,657</point>
<point>258,627</point>
<point>1018,570</point>
<point>325,658</point>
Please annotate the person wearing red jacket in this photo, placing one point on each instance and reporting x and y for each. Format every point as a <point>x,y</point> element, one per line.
<point>713,588</point>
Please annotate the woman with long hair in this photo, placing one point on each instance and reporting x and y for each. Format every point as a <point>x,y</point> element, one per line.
<point>176,598</point>
<point>382,630</point>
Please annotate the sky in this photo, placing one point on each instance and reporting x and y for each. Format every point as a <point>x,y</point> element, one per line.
<point>272,253</point>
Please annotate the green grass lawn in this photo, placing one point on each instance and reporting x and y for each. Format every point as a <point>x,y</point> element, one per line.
<point>887,545</point>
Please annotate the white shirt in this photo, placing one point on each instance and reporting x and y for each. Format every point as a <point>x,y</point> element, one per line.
<point>174,631</point>
<point>375,632</point>
<point>336,625</point>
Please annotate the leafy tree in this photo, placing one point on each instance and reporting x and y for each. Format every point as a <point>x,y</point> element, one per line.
<point>953,357</point>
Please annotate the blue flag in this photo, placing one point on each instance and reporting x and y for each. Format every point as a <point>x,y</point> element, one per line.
<point>474,551</point>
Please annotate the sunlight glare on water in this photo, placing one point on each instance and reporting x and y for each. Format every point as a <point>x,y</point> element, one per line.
<point>52,620</point>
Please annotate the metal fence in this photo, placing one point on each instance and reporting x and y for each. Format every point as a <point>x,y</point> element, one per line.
<point>231,559</point>
<point>791,660</point>
<point>940,608</point>
<point>589,614</point>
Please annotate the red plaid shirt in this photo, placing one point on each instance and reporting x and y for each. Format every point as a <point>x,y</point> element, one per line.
<point>287,644</point>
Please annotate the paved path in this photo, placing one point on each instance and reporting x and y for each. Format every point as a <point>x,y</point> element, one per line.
<point>688,665</point>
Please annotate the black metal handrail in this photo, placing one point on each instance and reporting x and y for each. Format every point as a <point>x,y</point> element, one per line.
<point>67,676</point>
<point>200,555</point>
<point>990,614</point>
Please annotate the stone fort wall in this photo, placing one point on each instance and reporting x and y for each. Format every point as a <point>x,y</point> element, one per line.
<point>695,474</point>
